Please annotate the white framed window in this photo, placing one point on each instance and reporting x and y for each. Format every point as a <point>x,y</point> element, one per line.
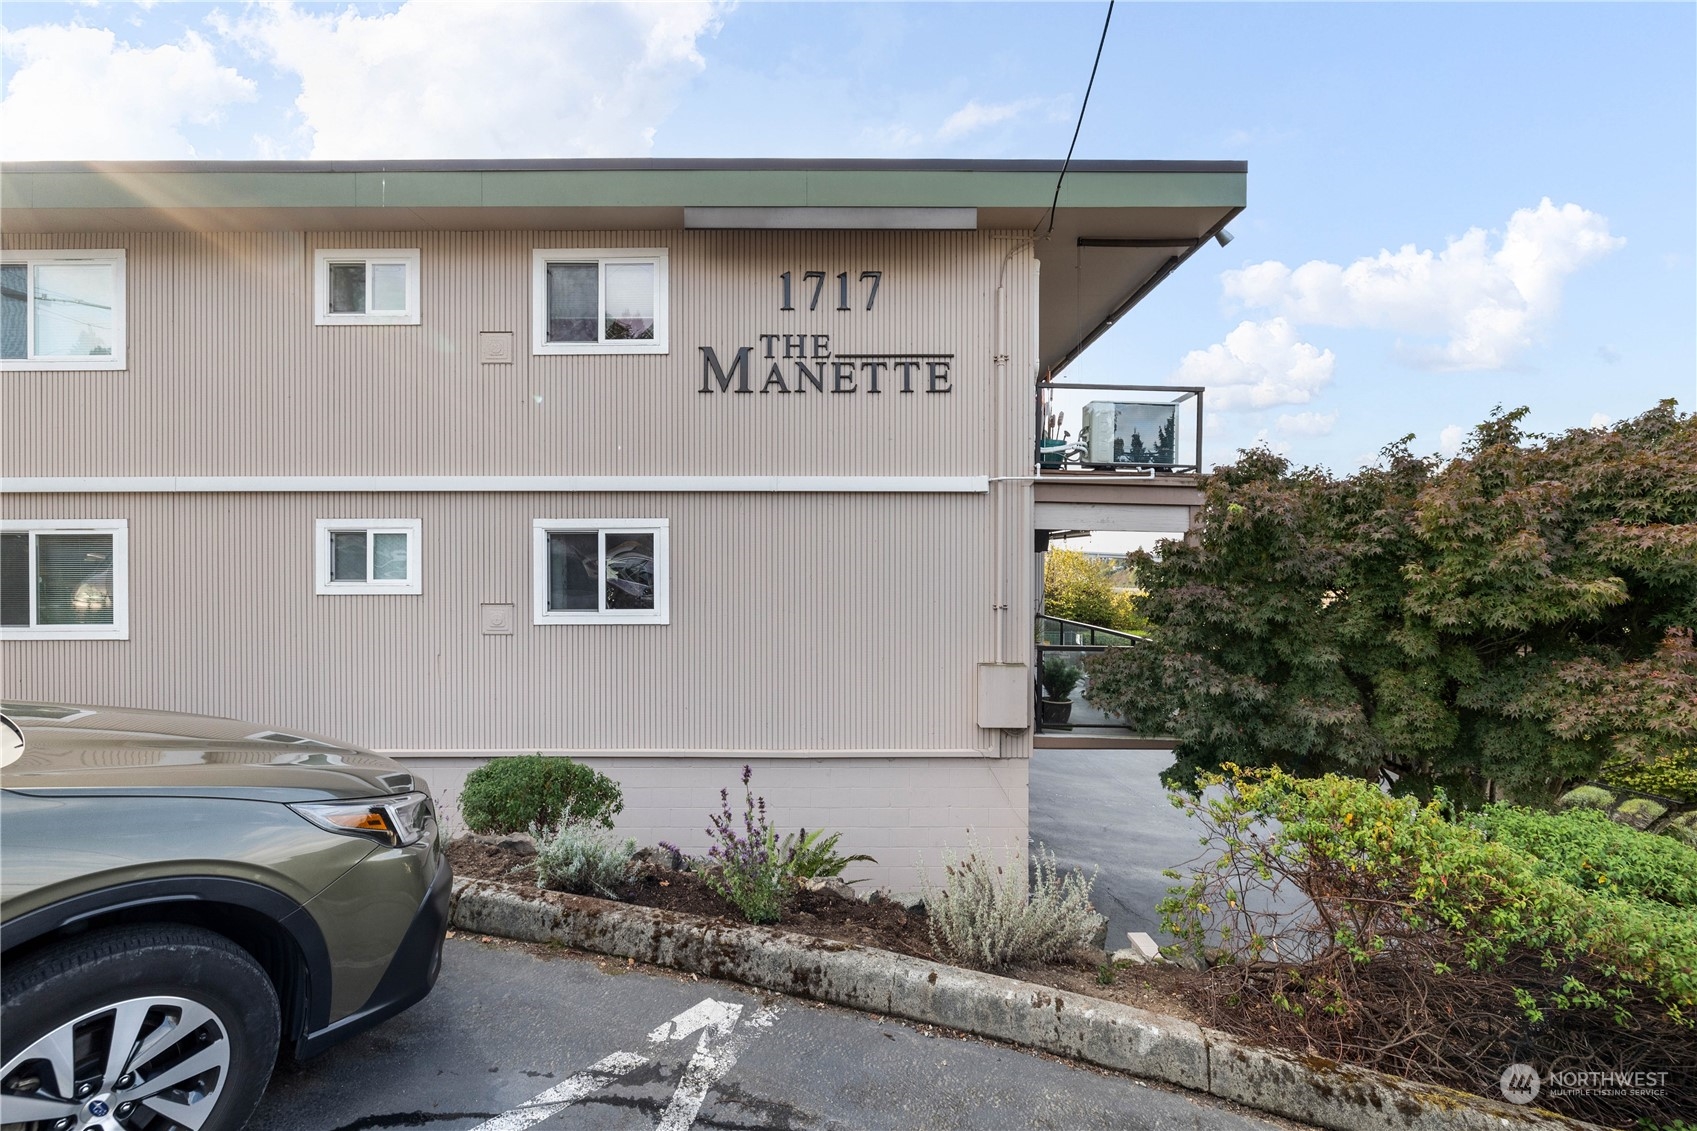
<point>64,579</point>
<point>365,286</point>
<point>62,309</point>
<point>367,555</point>
<point>598,300</point>
<point>600,570</point>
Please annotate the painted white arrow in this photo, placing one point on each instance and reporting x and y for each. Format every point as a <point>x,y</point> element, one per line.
<point>716,1050</point>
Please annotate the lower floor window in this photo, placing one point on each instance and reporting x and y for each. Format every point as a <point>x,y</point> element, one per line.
<point>63,579</point>
<point>600,570</point>
<point>368,555</point>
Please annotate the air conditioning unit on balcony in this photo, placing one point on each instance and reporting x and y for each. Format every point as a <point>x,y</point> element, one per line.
<point>1122,434</point>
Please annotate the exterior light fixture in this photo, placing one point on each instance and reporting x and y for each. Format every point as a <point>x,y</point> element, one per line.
<point>1223,237</point>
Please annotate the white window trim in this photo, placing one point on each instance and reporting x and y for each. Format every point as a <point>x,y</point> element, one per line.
<point>120,324</point>
<point>324,558</point>
<point>539,260</point>
<point>119,529</point>
<point>324,256</point>
<point>659,614</point>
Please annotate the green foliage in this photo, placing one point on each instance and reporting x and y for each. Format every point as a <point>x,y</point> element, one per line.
<point>1584,848</point>
<point>813,856</point>
<point>991,916</point>
<point>1502,624</point>
<point>1060,676</point>
<point>509,795</point>
<point>1079,587</point>
<point>751,869</point>
<point>1671,775</point>
<point>578,859</point>
<point>1588,797</point>
<point>1391,879</point>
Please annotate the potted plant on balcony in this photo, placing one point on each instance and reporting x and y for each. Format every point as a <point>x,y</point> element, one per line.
<point>1059,676</point>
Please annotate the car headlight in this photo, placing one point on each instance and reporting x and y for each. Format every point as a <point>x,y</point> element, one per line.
<point>396,821</point>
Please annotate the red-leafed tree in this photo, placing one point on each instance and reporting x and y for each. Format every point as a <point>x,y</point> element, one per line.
<point>1505,621</point>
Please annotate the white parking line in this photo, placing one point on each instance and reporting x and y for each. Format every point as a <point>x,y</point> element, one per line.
<point>716,1051</point>
<point>565,1093</point>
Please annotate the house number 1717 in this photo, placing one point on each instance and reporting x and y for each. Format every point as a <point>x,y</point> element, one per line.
<point>817,279</point>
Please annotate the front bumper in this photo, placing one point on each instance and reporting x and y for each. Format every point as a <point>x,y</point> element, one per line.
<point>409,977</point>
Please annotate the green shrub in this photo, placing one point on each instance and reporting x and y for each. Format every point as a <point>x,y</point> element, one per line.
<point>813,855</point>
<point>578,859</point>
<point>1391,879</point>
<point>992,916</point>
<point>1672,775</point>
<point>752,870</point>
<point>1060,676</point>
<point>509,795</point>
<point>1588,797</point>
<point>1601,857</point>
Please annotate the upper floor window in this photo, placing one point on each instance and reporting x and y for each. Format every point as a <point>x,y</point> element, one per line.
<point>62,310</point>
<point>64,579</point>
<point>367,555</point>
<point>365,287</point>
<point>598,300</point>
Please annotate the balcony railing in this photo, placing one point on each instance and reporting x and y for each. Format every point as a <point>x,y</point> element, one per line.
<point>1112,428</point>
<point>1071,642</point>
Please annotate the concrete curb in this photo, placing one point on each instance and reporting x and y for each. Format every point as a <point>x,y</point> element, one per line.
<point>1098,1032</point>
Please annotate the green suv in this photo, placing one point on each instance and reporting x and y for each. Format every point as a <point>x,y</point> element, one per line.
<point>181,896</point>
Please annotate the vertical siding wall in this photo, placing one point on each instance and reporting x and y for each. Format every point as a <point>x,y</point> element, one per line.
<point>831,624</point>
<point>831,639</point>
<point>228,375</point>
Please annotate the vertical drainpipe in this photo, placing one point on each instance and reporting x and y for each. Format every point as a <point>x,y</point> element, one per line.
<point>999,473</point>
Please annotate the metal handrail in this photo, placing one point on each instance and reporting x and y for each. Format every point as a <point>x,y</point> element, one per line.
<point>1119,638</point>
<point>1068,453</point>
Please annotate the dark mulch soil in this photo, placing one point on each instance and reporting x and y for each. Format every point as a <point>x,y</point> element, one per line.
<point>827,915</point>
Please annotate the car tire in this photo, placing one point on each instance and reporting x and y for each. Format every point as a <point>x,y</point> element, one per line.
<point>203,1014</point>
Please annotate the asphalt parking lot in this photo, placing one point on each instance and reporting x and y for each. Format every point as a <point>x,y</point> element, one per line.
<point>1107,809</point>
<point>514,1037</point>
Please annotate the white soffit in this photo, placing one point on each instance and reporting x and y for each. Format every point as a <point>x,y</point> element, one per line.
<point>1142,518</point>
<point>848,219</point>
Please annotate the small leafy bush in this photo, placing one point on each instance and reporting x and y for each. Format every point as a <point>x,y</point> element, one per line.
<point>1596,855</point>
<point>747,869</point>
<point>1060,676</point>
<point>581,860</point>
<point>1672,775</point>
<point>509,795</point>
<point>813,855</point>
<point>752,869</point>
<point>991,916</point>
<point>1370,928</point>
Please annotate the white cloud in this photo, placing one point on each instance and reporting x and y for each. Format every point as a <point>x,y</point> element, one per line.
<point>78,93</point>
<point>1600,420</point>
<point>976,115</point>
<point>1486,304</point>
<point>1449,440</point>
<point>1259,365</point>
<point>483,80</point>
<point>1305,423</point>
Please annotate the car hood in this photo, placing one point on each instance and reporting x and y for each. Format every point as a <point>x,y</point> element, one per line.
<point>75,748</point>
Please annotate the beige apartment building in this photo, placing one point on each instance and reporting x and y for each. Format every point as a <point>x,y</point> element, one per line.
<point>668,466</point>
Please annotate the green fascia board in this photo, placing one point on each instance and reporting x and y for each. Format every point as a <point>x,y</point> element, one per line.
<point>188,190</point>
<point>617,188</point>
<point>659,188</point>
<point>417,190</point>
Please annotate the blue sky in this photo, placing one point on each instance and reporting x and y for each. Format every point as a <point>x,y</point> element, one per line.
<point>1369,128</point>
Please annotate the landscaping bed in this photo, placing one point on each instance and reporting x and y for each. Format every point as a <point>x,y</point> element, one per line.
<point>825,914</point>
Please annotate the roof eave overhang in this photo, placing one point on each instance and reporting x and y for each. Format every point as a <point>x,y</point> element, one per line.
<point>1137,220</point>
